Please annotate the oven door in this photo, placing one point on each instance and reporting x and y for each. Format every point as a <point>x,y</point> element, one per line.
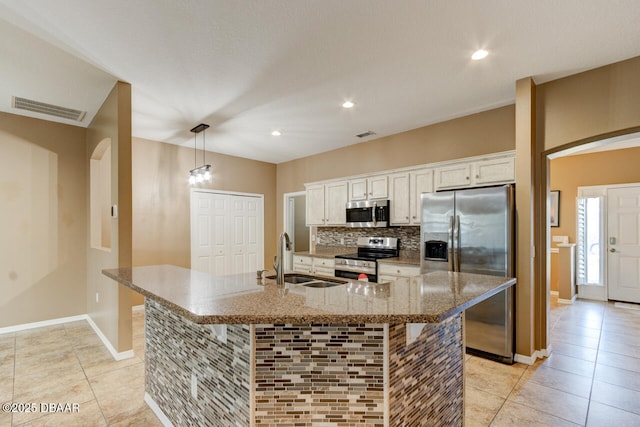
<point>352,269</point>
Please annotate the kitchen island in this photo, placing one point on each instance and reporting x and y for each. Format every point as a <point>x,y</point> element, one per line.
<point>240,351</point>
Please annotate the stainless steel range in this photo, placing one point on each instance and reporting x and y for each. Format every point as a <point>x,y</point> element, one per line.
<point>370,249</point>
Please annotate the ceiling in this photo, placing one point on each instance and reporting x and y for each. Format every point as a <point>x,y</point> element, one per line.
<point>249,67</point>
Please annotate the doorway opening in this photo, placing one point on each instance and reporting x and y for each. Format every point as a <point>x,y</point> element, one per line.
<point>295,208</point>
<point>591,213</point>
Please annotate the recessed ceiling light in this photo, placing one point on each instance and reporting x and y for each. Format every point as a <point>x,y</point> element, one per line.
<point>348,104</point>
<point>276,133</point>
<point>479,54</point>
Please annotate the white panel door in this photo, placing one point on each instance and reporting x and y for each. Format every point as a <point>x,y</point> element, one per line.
<point>226,233</point>
<point>252,223</point>
<point>222,263</point>
<point>201,233</point>
<point>623,210</point>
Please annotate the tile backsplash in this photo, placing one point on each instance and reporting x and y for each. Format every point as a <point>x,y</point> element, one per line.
<point>344,236</point>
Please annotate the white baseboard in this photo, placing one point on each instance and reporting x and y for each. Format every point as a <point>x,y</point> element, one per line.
<point>567,301</point>
<point>166,422</point>
<point>26,326</point>
<point>61,320</point>
<point>530,360</point>
<point>629,306</point>
<point>114,353</point>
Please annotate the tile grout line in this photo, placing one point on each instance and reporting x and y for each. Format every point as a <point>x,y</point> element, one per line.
<point>75,353</point>
<point>13,385</point>
<point>595,365</point>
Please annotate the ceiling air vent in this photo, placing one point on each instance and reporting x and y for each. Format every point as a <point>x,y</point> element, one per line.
<point>52,110</point>
<point>365,134</point>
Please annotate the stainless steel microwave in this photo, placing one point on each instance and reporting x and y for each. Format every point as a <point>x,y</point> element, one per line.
<point>368,213</point>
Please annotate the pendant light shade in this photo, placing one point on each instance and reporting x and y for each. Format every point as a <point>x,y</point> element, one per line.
<point>199,174</point>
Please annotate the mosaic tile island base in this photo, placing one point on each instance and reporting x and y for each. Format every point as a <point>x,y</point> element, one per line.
<point>239,351</point>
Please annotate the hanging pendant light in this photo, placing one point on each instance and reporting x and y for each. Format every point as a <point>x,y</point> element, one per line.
<point>199,174</point>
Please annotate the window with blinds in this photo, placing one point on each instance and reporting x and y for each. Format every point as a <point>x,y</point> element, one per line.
<point>590,239</point>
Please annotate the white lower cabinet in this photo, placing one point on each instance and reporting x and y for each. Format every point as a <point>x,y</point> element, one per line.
<point>324,266</point>
<point>388,272</point>
<point>313,265</point>
<point>302,264</point>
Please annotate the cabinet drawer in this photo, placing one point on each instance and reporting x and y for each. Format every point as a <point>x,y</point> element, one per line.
<point>323,263</point>
<point>302,260</point>
<point>398,270</point>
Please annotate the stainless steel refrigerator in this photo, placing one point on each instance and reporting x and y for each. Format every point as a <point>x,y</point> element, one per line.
<point>472,231</point>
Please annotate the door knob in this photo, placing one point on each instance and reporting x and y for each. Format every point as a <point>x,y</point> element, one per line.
<point>612,250</point>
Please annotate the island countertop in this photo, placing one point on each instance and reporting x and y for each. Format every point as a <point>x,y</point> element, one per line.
<point>243,299</point>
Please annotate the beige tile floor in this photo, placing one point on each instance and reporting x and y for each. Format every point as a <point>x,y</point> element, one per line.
<point>592,378</point>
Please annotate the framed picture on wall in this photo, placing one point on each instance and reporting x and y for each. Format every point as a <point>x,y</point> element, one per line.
<point>554,208</point>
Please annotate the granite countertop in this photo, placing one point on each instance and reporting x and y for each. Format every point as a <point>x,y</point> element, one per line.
<point>243,299</point>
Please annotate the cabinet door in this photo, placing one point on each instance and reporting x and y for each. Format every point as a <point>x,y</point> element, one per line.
<point>358,189</point>
<point>390,272</point>
<point>315,205</point>
<point>455,176</point>
<point>335,203</point>
<point>421,182</point>
<point>302,264</point>
<point>378,187</point>
<point>399,196</point>
<point>495,171</point>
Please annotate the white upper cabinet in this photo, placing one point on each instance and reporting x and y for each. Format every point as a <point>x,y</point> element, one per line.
<point>358,189</point>
<point>421,181</point>
<point>375,187</point>
<point>476,173</point>
<point>402,187</point>
<point>404,192</point>
<point>494,171</point>
<point>326,203</point>
<point>400,198</point>
<point>378,187</point>
<point>454,176</point>
<point>336,203</point>
<point>315,204</point>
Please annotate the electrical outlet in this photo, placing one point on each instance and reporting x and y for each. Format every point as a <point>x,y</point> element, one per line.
<point>194,385</point>
<point>342,240</point>
<point>97,297</point>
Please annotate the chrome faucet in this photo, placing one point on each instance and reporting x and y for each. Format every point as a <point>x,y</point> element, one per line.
<point>278,262</point>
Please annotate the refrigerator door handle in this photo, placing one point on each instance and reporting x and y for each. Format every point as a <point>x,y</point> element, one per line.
<point>450,256</point>
<point>456,243</point>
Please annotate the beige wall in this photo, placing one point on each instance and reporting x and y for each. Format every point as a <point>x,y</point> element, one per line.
<point>112,312</point>
<point>482,133</point>
<point>161,232</point>
<point>597,102</point>
<point>42,220</point>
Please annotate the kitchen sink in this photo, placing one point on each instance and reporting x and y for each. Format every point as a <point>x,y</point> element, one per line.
<point>321,284</point>
<point>310,281</point>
